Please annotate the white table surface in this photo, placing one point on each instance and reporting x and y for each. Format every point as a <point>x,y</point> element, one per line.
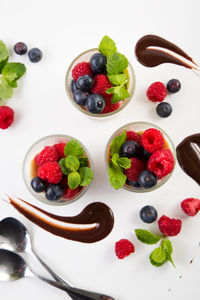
<point>63,29</point>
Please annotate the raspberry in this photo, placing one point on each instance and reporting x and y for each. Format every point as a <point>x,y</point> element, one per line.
<point>137,166</point>
<point>123,248</point>
<point>133,136</point>
<point>81,69</point>
<point>152,140</point>
<point>156,92</point>
<point>6,116</point>
<point>48,154</point>
<point>101,84</point>
<point>51,172</point>
<point>109,107</point>
<point>191,206</point>
<point>161,163</point>
<point>60,149</point>
<point>70,194</point>
<point>168,226</point>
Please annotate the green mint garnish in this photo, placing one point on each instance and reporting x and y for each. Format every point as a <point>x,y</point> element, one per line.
<point>12,72</point>
<point>73,147</point>
<point>86,175</point>
<point>65,171</point>
<point>123,162</point>
<point>3,55</point>
<point>107,46</point>
<point>147,237</point>
<point>167,246</point>
<point>117,142</point>
<point>117,79</point>
<point>72,163</point>
<point>83,161</point>
<point>6,91</point>
<point>116,63</point>
<point>119,92</point>
<point>74,180</point>
<point>158,257</point>
<point>116,176</point>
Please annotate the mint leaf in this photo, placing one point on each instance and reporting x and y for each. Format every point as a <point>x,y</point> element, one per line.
<point>120,94</point>
<point>116,176</point>
<point>5,89</point>
<point>116,63</point>
<point>117,79</point>
<point>74,180</point>
<point>147,237</point>
<point>107,46</point>
<point>73,147</point>
<point>115,158</point>
<point>158,257</point>
<point>86,175</point>
<point>167,246</point>
<point>3,55</point>
<point>124,162</point>
<point>117,142</point>
<point>13,71</point>
<point>72,163</point>
<point>63,167</point>
<point>83,161</point>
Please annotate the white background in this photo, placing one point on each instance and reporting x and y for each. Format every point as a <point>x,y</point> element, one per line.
<point>63,29</point>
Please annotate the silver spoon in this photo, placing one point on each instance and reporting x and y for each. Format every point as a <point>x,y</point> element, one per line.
<point>15,236</point>
<point>13,267</point>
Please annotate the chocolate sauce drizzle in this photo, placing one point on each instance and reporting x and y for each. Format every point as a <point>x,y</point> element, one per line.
<point>152,57</point>
<point>93,224</point>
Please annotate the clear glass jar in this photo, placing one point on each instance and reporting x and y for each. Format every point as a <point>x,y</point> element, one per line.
<point>28,167</point>
<point>141,127</point>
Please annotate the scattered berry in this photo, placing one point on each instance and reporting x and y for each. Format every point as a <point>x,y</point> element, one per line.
<point>161,163</point>
<point>130,149</point>
<point>35,55</point>
<point>133,136</point>
<point>6,116</point>
<point>148,214</point>
<point>173,85</point>
<point>152,140</point>
<point>48,154</point>
<point>109,107</point>
<point>38,185</point>
<point>164,109</point>
<point>80,97</point>
<point>123,248</point>
<point>137,166</point>
<point>60,149</point>
<point>157,92</point>
<point>73,86</point>
<point>191,206</point>
<point>54,192</point>
<point>85,82</point>
<point>98,63</point>
<point>168,226</point>
<point>95,103</point>
<point>70,194</point>
<point>20,48</point>
<point>147,179</point>
<point>101,84</point>
<point>51,172</point>
<point>81,69</point>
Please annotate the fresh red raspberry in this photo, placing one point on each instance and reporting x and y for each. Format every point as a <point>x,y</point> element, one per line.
<point>156,92</point>
<point>109,107</point>
<point>101,84</point>
<point>191,206</point>
<point>152,140</point>
<point>6,116</point>
<point>81,69</point>
<point>133,136</point>
<point>137,166</point>
<point>51,172</point>
<point>161,163</point>
<point>48,154</point>
<point>168,226</point>
<point>70,194</point>
<point>60,149</point>
<point>123,248</point>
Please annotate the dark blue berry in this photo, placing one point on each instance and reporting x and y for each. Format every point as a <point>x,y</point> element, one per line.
<point>164,109</point>
<point>130,149</point>
<point>173,85</point>
<point>95,103</point>
<point>148,214</point>
<point>35,55</point>
<point>147,179</point>
<point>80,97</point>
<point>98,63</point>
<point>146,155</point>
<point>20,48</point>
<point>54,192</point>
<point>133,183</point>
<point>85,83</point>
<point>73,86</point>
<point>38,185</point>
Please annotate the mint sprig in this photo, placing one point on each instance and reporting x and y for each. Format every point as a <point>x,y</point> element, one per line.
<point>73,147</point>
<point>158,257</point>
<point>107,46</point>
<point>147,237</point>
<point>116,63</point>
<point>117,142</point>
<point>119,92</point>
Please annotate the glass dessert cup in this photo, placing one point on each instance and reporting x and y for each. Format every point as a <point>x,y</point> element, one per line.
<point>85,57</point>
<point>30,167</point>
<point>140,127</point>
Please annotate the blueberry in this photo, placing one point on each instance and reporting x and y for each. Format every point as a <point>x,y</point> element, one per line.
<point>148,214</point>
<point>54,192</point>
<point>80,97</point>
<point>130,149</point>
<point>147,179</point>
<point>98,63</point>
<point>95,103</point>
<point>133,183</point>
<point>20,48</point>
<point>173,85</point>
<point>73,86</point>
<point>35,55</point>
<point>164,109</point>
<point>146,155</point>
<point>38,185</point>
<point>85,83</point>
